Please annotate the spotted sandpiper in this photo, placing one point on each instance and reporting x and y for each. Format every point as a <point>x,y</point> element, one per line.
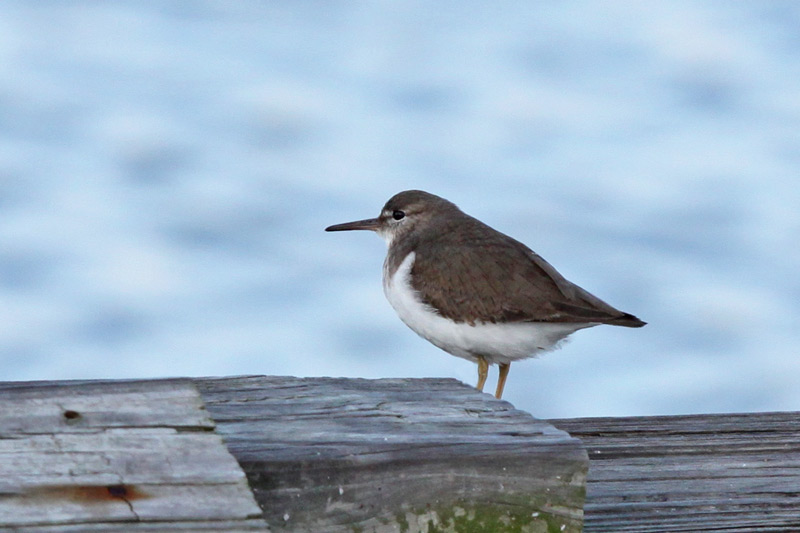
<point>474,292</point>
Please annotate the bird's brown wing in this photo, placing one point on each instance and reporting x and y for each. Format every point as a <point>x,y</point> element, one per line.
<point>477,276</point>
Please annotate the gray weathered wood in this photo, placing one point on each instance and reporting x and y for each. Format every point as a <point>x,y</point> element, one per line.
<point>214,526</point>
<point>39,407</point>
<point>331,455</point>
<point>345,455</point>
<point>116,456</point>
<point>732,472</point>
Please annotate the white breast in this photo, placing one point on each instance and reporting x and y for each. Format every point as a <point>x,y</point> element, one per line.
<point>498,343</point>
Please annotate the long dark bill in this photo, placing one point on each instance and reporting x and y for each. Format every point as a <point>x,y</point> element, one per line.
<point>369,223</point>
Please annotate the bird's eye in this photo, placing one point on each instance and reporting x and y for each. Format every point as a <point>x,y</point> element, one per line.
<point>397,215</point>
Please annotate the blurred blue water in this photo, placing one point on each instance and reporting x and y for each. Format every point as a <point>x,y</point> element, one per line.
<point>167,168</point>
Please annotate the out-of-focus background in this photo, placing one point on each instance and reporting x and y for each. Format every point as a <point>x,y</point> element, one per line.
<point>167,169</point>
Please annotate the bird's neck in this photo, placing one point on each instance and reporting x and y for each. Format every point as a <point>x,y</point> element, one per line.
<point>399,248</point>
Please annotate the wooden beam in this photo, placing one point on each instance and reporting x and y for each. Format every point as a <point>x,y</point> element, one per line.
<point>116,456</point>
<point>333,455</point>
<point>336,455</point>
<point>323,455</point>
<point>730,472</point>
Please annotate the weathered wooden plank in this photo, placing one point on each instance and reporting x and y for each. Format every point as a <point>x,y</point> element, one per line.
<point>386,455</point>
<point>331,455</point>
<point>105,456</point>
<point>95,455</point>
<point>75,406</point>
<point>237,526</point>
<point>737,472</point>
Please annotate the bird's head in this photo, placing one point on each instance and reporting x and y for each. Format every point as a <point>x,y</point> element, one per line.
<point>405,212</point>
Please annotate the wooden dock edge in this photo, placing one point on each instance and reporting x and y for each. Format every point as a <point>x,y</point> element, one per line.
<point>335,455</point>
<point>737,473</point>
<point>259,453</point>
<point>116,456</point>
<point>313,454</point>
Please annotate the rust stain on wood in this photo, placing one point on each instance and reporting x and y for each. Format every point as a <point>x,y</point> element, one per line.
<point>90,493</point>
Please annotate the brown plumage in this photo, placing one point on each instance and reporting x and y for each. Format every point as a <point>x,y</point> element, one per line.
<point>498,279</point>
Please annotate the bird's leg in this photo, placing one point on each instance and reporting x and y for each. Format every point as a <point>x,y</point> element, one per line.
<point>501,379</point>
<point>483,372</point>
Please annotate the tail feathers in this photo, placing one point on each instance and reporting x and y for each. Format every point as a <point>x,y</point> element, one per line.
<point>597,311</point>
<point>627,320</point>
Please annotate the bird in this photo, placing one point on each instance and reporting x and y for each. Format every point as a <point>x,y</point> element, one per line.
<point>473,291</point>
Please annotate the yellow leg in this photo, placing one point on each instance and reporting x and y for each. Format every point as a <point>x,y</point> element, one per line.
<point>501,380</point>
<point>483,372</point>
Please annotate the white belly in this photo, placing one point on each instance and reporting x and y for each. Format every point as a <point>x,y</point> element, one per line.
<point>498,343</point>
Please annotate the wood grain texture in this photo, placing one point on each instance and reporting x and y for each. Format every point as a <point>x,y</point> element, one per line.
<point>335,455</point>
<point>116,456</point>
<point>734,472</point>
<point>215,526</point>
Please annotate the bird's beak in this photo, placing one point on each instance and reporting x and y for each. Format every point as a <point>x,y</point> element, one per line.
<point>371,224</point>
